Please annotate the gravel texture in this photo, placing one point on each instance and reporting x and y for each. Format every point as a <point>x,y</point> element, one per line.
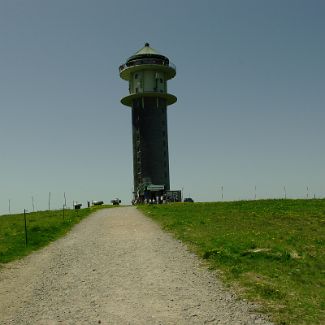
<point>117,267</point>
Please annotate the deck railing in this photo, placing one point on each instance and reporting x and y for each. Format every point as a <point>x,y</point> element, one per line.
<point>146,61</point>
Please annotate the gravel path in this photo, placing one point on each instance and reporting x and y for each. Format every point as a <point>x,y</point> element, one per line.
<point>117,267</point>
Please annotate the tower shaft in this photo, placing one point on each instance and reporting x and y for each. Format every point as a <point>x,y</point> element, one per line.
<point>150,142</point>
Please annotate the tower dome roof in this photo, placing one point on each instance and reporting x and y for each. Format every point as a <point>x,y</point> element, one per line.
<point>146,52</point>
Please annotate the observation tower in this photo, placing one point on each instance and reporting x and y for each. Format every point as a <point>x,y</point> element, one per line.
<point>147,72</point>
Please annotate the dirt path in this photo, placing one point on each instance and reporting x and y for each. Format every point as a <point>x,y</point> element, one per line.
<point>117,267</point>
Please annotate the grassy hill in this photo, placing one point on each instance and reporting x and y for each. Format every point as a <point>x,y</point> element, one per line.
<point>42,228</point>
<point>270,251</point>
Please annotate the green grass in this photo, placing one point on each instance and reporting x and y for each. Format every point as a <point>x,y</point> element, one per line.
<point>270,251</point>
<point>42,228</point>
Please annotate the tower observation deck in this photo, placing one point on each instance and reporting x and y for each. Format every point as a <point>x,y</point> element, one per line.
<point>147,72</point>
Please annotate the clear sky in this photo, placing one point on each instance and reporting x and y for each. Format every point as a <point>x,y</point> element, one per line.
<point>250,85</point>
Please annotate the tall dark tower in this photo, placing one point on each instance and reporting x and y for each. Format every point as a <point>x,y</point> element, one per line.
<point>147,72</point>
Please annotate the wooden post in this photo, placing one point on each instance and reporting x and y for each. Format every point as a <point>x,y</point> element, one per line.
<point>26,238</point>
<point>49,201</point>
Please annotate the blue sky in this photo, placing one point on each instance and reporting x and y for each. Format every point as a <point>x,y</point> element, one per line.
<point>250,86</point>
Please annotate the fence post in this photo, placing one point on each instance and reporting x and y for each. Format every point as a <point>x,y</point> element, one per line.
<point>26,238</point>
